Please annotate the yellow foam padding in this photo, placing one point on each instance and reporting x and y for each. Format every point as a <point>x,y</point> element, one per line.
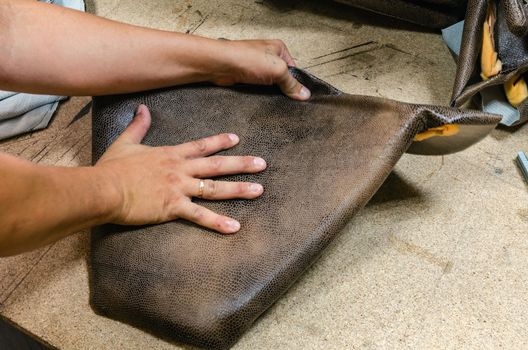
<point>444,130</point>
<point>489,62</point>
<point>516,90</point>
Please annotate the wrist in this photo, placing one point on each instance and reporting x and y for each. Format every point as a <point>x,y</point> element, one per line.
<point>107,194</point>
<point>220,66</point>
<point>88,194</point>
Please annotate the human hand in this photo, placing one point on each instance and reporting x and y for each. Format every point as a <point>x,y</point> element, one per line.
<point>156,184</point>
<point>263,62</point>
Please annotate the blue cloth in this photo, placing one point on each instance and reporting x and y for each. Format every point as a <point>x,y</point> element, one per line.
<point>73,4</point>
<point>21,113</point>
<point>493,98</point>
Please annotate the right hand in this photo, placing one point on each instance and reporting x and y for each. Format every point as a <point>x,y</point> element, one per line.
<point>262,62</point>
<point>156,184</point>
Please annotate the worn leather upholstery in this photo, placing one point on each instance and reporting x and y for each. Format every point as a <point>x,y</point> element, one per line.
<point>326,158</point>
<point>511,44</point>
<point>428,13</point>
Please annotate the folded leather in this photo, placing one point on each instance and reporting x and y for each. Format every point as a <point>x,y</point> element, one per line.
<point>517,16</point>
<point>511,44</point>
<point>428,13</point>
<point>326,158</point>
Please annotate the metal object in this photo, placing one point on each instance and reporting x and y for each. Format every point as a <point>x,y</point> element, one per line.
<point>467,136</point>
<point>522,161</point>
<point>201,187</point>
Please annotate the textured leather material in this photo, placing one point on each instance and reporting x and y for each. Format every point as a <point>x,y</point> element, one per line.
<point>326,158</point>
<point>511,48</point>
<point>428,13</point>
<point>517,16</point>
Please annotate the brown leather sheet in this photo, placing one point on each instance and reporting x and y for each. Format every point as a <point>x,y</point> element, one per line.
<point>326,158</point>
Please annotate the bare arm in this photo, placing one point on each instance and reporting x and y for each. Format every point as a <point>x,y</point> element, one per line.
<point>53,50</point>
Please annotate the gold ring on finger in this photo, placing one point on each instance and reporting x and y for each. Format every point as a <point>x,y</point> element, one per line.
<point>201,187</point>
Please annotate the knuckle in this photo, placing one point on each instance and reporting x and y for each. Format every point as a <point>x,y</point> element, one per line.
<point>173,178</point>
<point>200,145</point>
<point>242,188</point>
<point>197,213</point>
<point>281,70</point>
<point>166,151</point>
<point>270,47</point>
<point>211,189</point>
<point>249,162</point>
<point>215,163</point>
<point>277,43</point>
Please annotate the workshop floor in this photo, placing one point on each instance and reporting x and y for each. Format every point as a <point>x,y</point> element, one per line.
<point>438,259</point>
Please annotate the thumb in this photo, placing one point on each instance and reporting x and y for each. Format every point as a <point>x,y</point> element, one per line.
<point>292,88</point>
<point>137,129</point>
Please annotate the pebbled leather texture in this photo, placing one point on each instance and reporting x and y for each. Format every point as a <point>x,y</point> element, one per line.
<point>511,48</point>
<point>435,14</point>
<point>326,158</point>
<point>517,16</point>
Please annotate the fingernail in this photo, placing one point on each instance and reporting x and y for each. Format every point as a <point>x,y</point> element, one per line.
<point>232,225</point>
<point>259,163</point>
<point>234,138</point>
<point>304,93</point>
<point>140,109</point>
<point>255,188</point>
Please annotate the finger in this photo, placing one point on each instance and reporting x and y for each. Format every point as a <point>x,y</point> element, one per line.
<point>287,57</point>
<point>220,165</point>
<point>207,218</point>
<point>206,146</point>
<point>221,190</point>
<point>292,88</point>
<point>137,129</point>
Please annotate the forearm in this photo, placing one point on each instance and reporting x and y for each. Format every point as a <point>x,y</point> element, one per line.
<point>40,204</point>
<point>48,49</point>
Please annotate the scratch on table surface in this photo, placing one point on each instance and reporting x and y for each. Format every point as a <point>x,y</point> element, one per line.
<point>16,283</point>
<point>39,152</point>
<point>69,149</point>
<point>346,49</point>
<point>28,145</point>
<point>83,146</point>
<point>371,46</point>
<point>191,31</point>
<point>410,248</point>
<point>346,71</point>
<point>421,58</point>
<point>436,170</point>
